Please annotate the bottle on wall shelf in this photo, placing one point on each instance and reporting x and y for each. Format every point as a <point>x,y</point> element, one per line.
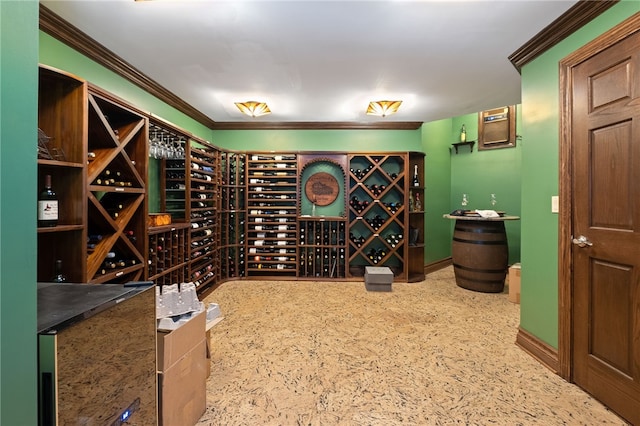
<point>416,180</point>
<point>463,134</point>
<point>418,203</point>
<point>58,276</point>
<point>47,205</point>
<point>411,202</point>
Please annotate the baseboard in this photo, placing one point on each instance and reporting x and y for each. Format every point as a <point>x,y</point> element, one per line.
<point>437,265</point>
<point>543,352</point>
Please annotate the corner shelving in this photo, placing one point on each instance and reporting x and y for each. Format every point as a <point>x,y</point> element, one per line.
<point>232,216</point>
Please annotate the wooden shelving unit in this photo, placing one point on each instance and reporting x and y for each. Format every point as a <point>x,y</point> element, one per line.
<point>236,215</point>
<point>233,215</point>
<point>415,232</point>
<point>203,207</point>
<point>117,205</point>
<point>322,249</point>
<point>272,211</point>
<point>377,212</point>
<point>168,254</point>
<point>62,106</point>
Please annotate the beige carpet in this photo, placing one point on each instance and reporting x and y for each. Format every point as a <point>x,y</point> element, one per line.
<point>430,353</point>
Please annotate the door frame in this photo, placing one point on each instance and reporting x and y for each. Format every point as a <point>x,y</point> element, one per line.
<point>565,228</point>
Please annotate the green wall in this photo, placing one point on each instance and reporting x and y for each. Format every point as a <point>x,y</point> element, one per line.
<point>437,161</point>
<point>540,168</point>
<point>482,173</point>
<point>18,136</point>
<point>319,140</point>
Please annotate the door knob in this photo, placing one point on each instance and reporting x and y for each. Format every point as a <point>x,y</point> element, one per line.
<point>582,241</point>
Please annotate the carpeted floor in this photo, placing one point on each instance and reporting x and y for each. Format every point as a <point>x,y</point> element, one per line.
<point>430,353</point>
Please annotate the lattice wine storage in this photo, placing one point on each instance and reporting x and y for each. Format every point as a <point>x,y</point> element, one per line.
<point>116,176</point>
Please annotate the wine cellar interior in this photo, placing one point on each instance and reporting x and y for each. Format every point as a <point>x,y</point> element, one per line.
<point>224,215</point>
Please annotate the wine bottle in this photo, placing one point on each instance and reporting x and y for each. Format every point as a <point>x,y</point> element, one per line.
<point>463,134</point>
<point>417,203</point>
<point>47,205</point>
<point>58,276</point>
<point>416,180</point>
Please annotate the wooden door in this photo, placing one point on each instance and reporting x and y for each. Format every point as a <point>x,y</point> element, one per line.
<point>606,226</point>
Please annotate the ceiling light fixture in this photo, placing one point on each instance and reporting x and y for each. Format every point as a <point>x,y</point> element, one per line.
<point>383,108</point>
<point>253,108</point>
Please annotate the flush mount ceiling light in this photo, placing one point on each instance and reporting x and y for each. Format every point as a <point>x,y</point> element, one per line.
<point>253,108</point>
<point>383,108</point>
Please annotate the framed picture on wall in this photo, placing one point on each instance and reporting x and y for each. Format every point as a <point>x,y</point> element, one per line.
<point>497,128</point>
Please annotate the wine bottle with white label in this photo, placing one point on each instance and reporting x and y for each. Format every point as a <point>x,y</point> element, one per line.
<point>47,205</point>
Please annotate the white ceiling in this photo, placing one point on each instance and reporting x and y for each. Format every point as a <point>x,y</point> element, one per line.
<point>322,61</point>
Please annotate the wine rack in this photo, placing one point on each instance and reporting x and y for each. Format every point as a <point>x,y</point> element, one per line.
<point>322,249</point>
<point>61,104</point>
<point>116,177</point>
<point>415,234</point>
<point>168,254</point>
<point>271,218</point>
<point>203,183</point>
<point>232,216</point>
<point>377,212</point>
<point>169,146</point>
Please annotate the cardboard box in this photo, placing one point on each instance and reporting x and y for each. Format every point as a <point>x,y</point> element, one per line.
<point>378,278</point>
<point>182,389</point>
<point>514,283</point>
<point>208,340</point>
<point>174,344</point>
<point>182,373</point>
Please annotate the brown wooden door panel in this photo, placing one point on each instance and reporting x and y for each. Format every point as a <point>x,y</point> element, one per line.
<point>606,210</point>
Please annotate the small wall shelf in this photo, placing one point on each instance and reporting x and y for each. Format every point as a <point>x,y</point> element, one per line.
<point>470,144</point>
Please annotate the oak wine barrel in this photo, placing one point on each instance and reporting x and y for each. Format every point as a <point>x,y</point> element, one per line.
<point>480,255</point>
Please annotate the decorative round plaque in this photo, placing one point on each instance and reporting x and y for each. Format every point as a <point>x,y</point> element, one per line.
<point>322,189</point>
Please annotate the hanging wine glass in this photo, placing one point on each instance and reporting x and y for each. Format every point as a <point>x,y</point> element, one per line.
<point>153,145</point>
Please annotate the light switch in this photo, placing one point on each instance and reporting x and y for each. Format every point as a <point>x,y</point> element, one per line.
<point>555,204</point>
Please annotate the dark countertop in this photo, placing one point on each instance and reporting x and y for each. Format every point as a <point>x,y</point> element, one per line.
<point>61,305</point>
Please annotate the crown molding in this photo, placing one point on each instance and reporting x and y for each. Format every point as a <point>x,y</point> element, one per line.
<point>316,125</point>
<point>576,17</point>
<point>70,35</point>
